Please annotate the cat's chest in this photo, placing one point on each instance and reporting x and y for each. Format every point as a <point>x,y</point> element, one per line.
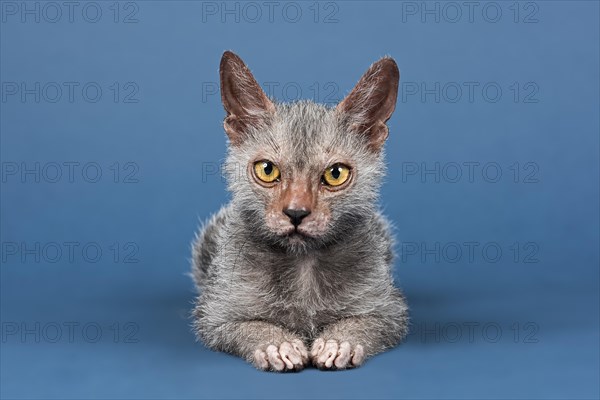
<point>302,293</point>
<point>308,294</point>
<point>305,278</point>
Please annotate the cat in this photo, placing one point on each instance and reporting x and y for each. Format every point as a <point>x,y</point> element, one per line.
<point>296,269</point>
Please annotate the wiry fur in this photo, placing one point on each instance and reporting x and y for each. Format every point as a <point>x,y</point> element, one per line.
<point>259,289</point>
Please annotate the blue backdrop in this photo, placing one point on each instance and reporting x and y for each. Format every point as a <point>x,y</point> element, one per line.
<point>111,145</point>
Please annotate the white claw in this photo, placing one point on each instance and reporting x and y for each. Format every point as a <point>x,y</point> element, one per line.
<point>334,355</point>
<point>317,347</point>
<point>287,357</point>
<point>260,358</point>
<point>359,355</point>
<point>274,358</point>
<point>343,356</point>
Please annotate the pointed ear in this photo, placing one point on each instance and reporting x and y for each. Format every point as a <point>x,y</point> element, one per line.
<point>372,101</point>
<point>245,102</point>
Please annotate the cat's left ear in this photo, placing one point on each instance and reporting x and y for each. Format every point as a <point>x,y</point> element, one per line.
<point>372,101</point>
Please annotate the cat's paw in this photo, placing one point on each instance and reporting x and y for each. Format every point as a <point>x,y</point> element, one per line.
<point>332,354</point>
<point>289,356</point>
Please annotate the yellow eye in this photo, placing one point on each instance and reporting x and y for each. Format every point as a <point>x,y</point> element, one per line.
<point>266,171</point>
<point>336,175</point>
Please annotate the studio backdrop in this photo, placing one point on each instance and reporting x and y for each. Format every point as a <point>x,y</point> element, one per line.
<point>112,151</point>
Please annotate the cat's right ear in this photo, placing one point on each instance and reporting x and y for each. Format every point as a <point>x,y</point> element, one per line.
<point>244,100</point>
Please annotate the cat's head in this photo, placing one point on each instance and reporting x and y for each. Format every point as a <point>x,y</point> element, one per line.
<point>304,175</point>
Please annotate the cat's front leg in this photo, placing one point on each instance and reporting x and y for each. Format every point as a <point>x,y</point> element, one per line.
<point>348,342</point>
<point>266,346</point>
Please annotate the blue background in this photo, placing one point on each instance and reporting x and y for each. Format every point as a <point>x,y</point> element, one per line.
<point>534,313</point>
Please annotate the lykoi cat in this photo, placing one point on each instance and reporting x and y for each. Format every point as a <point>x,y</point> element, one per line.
<point>296,269</point>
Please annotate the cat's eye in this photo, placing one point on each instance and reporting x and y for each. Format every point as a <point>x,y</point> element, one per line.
<point>336,175</point>
<point>266,171</point>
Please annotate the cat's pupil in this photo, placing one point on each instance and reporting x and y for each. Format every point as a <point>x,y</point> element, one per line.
<point>335,172</point>
<point>268,168</point>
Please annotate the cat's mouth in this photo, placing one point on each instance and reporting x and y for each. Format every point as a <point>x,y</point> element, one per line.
<point>297,233</point>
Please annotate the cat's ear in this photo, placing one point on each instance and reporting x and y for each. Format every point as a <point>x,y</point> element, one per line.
<point>372,101</point>
<point>244,100</point>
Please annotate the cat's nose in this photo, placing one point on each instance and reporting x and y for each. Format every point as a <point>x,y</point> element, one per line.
<point>296,216</point>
